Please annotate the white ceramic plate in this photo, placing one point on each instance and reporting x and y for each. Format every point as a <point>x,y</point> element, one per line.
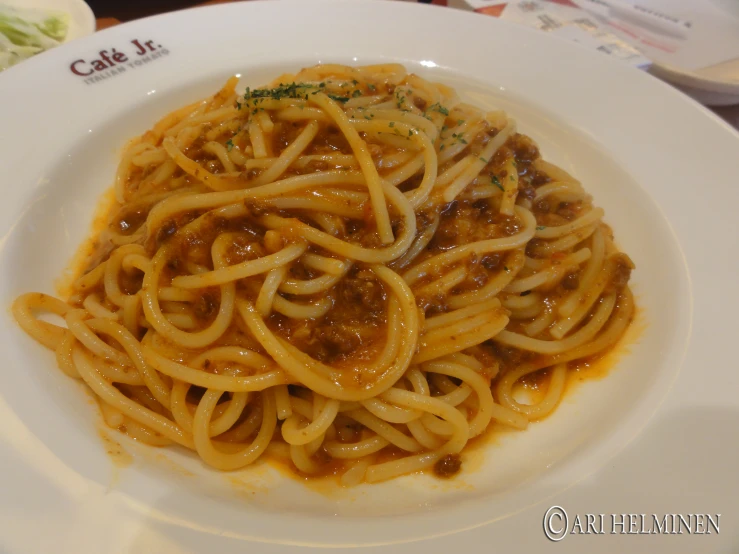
<point>81,18</point>
<point>659,434</point>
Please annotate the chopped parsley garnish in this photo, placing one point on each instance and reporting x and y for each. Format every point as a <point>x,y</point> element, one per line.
<point>511,177</point>
<point>540,227</point>
<point>462,140</point>
<point>371,87</point>
<point>444,128</point>
<point>506,268</point>
<point>410,133</point>
<point>355,82</point>
<point>439,108</point>
<point>441,147</point>
<point>340,99</point>
<point>238,105</point>
<point>392,124</point>
<point>400,99</point>
<point>321,85</point>
<point>496,182</point>
<point>483,160</point>
<point>460,121</point>
<point>292,90</point>
<point>229,144</point>
<point>356,93</point>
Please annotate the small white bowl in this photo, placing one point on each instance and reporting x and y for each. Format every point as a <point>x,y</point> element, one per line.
<point>717,85</point>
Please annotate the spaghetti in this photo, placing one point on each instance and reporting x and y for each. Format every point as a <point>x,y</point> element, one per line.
<point>350,269</point>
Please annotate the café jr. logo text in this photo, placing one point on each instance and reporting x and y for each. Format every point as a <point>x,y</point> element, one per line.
<point>109,63</point>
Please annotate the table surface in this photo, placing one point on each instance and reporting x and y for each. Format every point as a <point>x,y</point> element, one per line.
<point>114,12</point>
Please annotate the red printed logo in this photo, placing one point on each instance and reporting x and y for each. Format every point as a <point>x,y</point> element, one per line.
<point>109,63</point>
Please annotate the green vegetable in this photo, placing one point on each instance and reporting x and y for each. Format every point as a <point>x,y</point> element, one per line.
<point>25,32</point>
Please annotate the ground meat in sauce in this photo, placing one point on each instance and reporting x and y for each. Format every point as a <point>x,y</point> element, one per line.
<point>131,221</point>
<point>568,211</point>
<point>526,191</point>
<point>508,357</point>
<point>130,282</point>
<point>206,305</point>
<point>355,322</point>
<point>448,466</point>
<point>542,206</point>
<point>285,133</point>
<point>571,281</point>
<point>621,272</point>
<point>491,261</point>
<point>462,222</point>
<point>329,140</point>
<point>523,148</point>
<point>166,231</point>
<point>334,340</point>
<point>420,103</point>
<point>539,178</point>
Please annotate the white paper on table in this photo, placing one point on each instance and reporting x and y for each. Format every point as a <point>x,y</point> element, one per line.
<point>712,39</point>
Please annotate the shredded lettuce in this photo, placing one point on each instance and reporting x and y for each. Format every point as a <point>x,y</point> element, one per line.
<point>26,32</point>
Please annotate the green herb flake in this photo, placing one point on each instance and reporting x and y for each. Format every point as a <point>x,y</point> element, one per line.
<point>392,124</point>
<point>511,178</point>
<point>238,105</point>
<point>356,93</point>
<point>442,147</point>
<point>355,82</point>
<point>540,227</point>
<point>439,108</point>
<point>410,133</point>
<point>506,268</point>
<point>291,90</point>
<point>229,144</point>
<point>340,99</point>
<point>483,160</point>
<point>371,87</point>
<point>321,85</point>
<point>462,140</point>
<point>496,182</point>
<point>460,121</point>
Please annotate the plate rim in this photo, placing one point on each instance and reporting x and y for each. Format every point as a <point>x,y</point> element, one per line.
<point>116,30</point>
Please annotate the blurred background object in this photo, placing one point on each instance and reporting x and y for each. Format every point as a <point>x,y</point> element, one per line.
<point>692,44</point>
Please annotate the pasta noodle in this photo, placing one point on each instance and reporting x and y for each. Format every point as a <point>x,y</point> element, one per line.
<point>351,269</point>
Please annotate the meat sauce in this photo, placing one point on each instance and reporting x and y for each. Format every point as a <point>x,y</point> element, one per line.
<point>354,329</point>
